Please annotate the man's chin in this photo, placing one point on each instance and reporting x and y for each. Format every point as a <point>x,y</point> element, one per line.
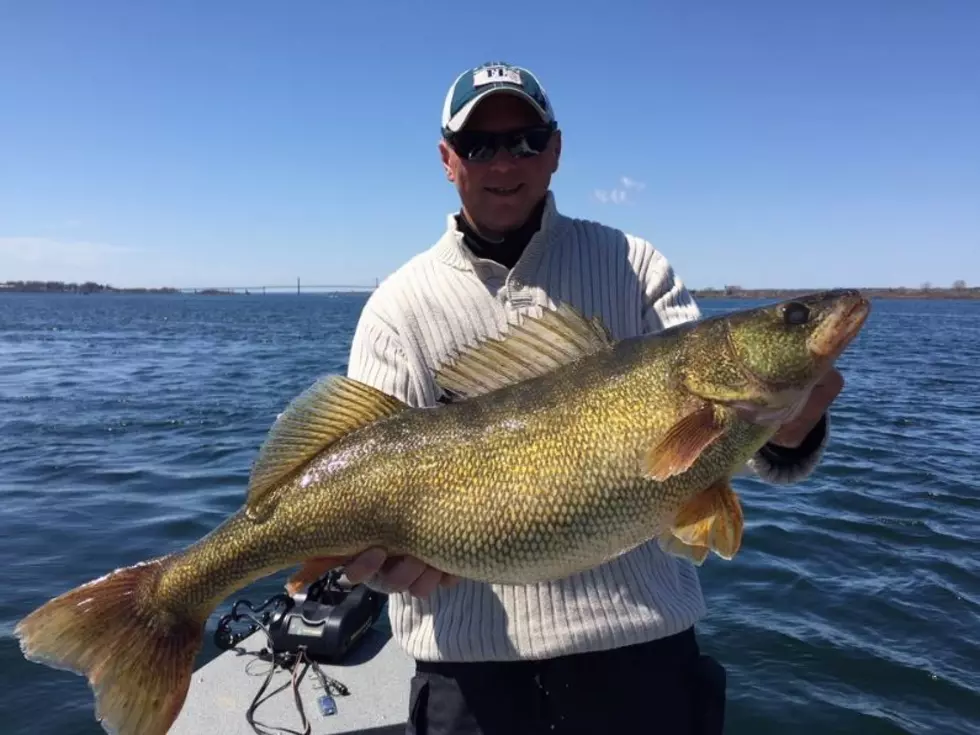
<point>505,216</point>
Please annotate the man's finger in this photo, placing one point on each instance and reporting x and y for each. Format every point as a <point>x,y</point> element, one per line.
<point>426,583</point>
<point>365,565</point>
<point>824,393</point>
<point>449,580</point>
<point>832,384</point>
<point>400,573</point>
<point>793,432</point>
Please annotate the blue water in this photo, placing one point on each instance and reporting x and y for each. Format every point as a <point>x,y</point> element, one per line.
<point>129,424</point>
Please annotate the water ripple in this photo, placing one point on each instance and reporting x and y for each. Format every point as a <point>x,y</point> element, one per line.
<point>129,425</point>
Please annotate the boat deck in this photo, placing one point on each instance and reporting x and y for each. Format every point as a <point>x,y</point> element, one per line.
<point>377,674</point>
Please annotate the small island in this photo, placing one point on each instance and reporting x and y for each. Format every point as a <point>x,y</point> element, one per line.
<point>89,287</point>
<point>83,288</point>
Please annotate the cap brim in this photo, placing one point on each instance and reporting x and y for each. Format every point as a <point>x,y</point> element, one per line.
<point>457,121</point>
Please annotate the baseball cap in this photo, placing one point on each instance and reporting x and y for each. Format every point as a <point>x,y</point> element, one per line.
<point>492,78</point>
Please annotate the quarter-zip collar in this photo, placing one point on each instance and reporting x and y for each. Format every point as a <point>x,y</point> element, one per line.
<point>453,249</point>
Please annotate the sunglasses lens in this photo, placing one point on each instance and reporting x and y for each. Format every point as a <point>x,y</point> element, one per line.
<point>474,146</point>
<point>482,146</point>
<point>530,142</point>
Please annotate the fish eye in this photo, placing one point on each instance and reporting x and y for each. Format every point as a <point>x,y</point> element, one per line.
<point>795,313</point>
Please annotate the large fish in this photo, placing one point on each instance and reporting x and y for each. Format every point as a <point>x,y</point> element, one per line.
<point>560,450</point>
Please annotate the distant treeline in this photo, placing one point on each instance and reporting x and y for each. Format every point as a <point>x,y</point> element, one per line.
<point>959,290</point>
<point>925,291</point>
<point>62,287</point>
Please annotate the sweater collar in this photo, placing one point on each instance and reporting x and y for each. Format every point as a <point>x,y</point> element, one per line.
<point>451,249</point>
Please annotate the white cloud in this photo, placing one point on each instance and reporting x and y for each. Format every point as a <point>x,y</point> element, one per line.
<point>621,193</point>
<point>43,258</point>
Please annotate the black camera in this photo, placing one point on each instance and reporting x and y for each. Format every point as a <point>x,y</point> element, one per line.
<point>327,621</point>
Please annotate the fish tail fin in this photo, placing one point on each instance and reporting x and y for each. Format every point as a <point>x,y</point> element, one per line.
<point>137,654</point>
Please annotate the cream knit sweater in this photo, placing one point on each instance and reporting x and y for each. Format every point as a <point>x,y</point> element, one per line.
<point>441,300</point>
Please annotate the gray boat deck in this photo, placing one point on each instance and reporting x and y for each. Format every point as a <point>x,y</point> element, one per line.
<point>377,673</point>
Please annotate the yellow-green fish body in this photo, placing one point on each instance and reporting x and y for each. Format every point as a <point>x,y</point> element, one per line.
<point>560,450</point>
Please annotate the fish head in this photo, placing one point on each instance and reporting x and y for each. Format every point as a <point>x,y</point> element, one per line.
<point>765,361</point>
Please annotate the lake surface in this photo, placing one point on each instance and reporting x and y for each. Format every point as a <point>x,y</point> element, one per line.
<point>129,424</point>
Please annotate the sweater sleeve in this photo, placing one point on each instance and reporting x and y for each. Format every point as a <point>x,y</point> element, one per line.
<point>378,359</point>
<point>669,303</point>
<point>786,465</point>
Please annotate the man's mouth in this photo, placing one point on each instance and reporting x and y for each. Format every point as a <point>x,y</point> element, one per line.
<point>504,191</point>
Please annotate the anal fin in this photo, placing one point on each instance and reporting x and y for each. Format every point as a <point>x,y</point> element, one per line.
<point>713,519</point>
<point>672,545</point>
<point>311,571</point>
<point>683,444</point>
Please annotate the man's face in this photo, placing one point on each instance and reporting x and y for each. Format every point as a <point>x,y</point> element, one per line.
<point>498,195</point>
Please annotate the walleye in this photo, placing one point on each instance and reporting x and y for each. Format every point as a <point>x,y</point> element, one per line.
<point>559,450</point>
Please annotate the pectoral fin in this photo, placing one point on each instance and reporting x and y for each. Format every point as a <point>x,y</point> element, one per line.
<point>713,519</point>
<point>683,444</point>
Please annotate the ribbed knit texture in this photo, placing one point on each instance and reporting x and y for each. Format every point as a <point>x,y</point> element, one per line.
<point>442,300</point>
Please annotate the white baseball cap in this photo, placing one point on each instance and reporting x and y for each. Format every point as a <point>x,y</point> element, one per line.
<point>492,78</point>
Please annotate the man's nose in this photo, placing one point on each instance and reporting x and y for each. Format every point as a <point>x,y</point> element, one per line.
<point>502,161</point>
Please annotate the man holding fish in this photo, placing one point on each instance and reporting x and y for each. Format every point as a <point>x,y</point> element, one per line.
<point>602,637</point>
<point>535,439</point>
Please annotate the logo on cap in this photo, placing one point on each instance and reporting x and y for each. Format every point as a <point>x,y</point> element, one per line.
<point>496,75</point>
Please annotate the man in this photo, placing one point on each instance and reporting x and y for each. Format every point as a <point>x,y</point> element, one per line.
<point>610,650</point>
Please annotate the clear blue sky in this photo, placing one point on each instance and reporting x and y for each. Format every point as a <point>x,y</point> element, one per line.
<point>239,143</point>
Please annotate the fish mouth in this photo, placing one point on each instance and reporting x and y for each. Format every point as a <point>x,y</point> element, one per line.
<point>839,327</point>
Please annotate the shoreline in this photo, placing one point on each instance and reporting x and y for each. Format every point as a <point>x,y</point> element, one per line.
<point>962,293</point>
<point>897,292</point>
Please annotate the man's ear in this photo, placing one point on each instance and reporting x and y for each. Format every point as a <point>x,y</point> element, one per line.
<point>556,142</point>
<point>446,154</point>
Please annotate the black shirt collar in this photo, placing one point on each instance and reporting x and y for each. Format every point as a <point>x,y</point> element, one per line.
<point>508,249</point>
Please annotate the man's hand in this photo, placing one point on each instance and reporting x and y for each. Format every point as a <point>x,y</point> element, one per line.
<point>397,573</point>
<point>394,574</point>
<point>792,433</point>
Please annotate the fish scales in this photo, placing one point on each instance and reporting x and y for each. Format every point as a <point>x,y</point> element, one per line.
<point>490,490</point>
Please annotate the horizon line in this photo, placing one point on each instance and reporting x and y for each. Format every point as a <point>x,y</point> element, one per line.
<point>298,286</point>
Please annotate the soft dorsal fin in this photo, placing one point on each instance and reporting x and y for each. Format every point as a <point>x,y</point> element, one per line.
<point>326,411</point>
<point>536,347</point>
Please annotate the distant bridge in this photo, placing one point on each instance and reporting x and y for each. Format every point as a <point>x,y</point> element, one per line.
<point>297,287</point>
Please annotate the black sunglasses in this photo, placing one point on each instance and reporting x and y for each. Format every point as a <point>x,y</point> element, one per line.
<point>482,146</point>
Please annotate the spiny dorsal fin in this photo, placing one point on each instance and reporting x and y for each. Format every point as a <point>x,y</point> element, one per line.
<point>326,411</point>
<point>536,347</point>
